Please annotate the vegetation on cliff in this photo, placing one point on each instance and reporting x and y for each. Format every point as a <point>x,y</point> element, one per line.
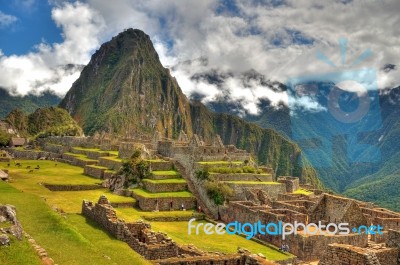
<point>27,104</point>
<point>44,122</point>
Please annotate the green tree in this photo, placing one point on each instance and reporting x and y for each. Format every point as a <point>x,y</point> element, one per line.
<point>4,138</point>
<point>135,169</point>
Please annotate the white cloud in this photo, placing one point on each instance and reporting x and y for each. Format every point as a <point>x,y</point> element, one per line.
<point>47,67</point>
<point>259,34</point>
<point>7,20</point>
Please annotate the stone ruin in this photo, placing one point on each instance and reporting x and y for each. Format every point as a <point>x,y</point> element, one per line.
<point>156,246</point>
<point>270,204</point>
<point>326,208</point>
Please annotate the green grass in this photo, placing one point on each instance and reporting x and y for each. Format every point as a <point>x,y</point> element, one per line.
<point>134,214</point>
<point>113,158</point>
<point>226,243</point>
<point>68,201</point>
<point>99,167</point>
<point>165,173</point>
<point>303,191</point>
<point>253,182</point>
<point>69,241</point>
<point>220,162</point>
<point>81,157</point>
<point>261,174</point>
<point>19,252</point>
<point>165,181</point>
<point>178,194</point>
<point>48,173</point>
<point>114,153</point>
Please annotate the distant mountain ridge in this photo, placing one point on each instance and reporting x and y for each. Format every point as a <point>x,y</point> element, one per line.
<point>125,90</point>
<point>377,182</point>
<point>28,103</point>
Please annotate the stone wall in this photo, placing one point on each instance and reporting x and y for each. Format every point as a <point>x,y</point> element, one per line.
<point>54,187</point>
<point>339,254</point>
<point>393,239</point>
<point>156,246</point>
<point>164,187</point>
<point>243,177</point>
<point>292,183</point>
<point>109,163</point>
<point>32,154</point>
<point>161,165</point>
<point>240,189</point>
<point>164,204</point>
<point>335,209</point>
<point>108,174</point>
<point>305,247</point>
<point>94,171</point>
<point>137,235</point>
<point>55,148</point>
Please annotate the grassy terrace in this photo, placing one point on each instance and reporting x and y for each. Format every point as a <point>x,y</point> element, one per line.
<point>80,156</point>
<point>99,167</point>
<point>165,181</point>
<point>68,201</point>
<point>303,191</point>
<point>178,194</point>
<point>220,243</point>
<point>48,173</point>
<point>72,240</point>
<point>258,174</point>
<point>165,173</point>
<point>133,214</point>
<point>254,182</point>
<point>220,162</point>
<point>113,158</point>
<point>19,252</point>
<point>114,153</point>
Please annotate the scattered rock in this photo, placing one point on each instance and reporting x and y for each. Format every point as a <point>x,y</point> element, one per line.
<point>261,255</point>
<point>4,240</point>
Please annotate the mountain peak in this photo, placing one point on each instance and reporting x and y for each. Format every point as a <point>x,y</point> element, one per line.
<point>125,90</point>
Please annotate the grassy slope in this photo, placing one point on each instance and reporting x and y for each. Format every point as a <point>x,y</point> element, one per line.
<point>66,239</point>
<point>19,252</point>
<point>76,235</point>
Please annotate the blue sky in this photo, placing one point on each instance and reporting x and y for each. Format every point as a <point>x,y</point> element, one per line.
<point>34,24</point>
<point>277,38</point>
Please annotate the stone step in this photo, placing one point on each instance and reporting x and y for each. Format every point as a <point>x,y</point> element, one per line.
<point>94,171</point>
<point>168,185</point>
<point>166,174</point>
<point>243,177</point>
<point>163,201</point>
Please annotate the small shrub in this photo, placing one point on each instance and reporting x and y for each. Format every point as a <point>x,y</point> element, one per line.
<point>202,174</point>
<point>249,169</point>
<point>237,170</point>
<point>218,192</point>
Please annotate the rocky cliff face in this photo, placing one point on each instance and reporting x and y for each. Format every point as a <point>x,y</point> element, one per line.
<point>125,90</point>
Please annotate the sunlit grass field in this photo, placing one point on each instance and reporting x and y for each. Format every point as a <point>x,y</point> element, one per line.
<point>72,239</point>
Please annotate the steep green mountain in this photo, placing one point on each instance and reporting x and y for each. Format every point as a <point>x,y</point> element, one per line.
<point>44,122</point>
<point>124,89</point>
<point>28,103</point>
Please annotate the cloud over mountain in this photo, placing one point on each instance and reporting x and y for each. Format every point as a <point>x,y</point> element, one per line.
<point>276,38</point>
